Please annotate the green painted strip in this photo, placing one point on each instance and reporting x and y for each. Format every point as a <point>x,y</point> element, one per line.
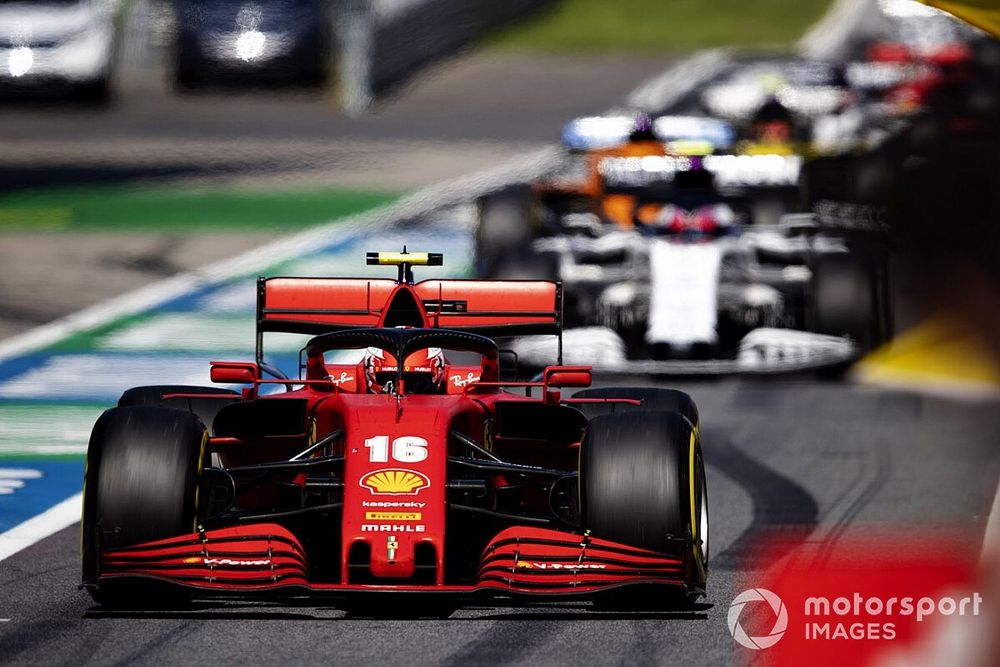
<point>46,429</point>
<point>161,208</point>
<point>34,458</point>
<point>658,26</point>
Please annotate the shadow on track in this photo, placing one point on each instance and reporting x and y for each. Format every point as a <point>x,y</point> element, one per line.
<point>547,613</point>
<point>780,505</point>
<point>207,614</point>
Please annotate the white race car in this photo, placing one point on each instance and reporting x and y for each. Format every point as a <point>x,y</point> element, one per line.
<point>695,292</point>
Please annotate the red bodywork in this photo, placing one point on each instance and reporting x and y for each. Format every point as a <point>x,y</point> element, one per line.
<point>402,505</point>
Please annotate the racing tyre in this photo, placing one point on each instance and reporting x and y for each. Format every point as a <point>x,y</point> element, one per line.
<point>850,297</point>
<point>670,400</point>
<point>526,264</point>
<point>144,465</point>
<point>642,483</point>
<point>504,231</point>
<point>205,408</point>
<point>185,76</point>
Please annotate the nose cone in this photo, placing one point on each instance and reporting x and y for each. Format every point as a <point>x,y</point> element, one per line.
<point>395,483</point>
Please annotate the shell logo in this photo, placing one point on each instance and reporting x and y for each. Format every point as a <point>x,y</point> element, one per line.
<point>396,482</point>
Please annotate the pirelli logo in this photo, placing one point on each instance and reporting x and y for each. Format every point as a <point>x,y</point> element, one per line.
<point>393,516</point>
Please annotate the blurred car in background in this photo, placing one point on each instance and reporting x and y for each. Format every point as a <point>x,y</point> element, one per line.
<point>57,47</point>
<point>609,168</point>
<point>807,88</point>
<point>694,291</point>
<point>232,42</point>
<point>684,283</point>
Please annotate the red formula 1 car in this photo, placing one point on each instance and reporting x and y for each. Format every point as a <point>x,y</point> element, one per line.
<point>420,469</point>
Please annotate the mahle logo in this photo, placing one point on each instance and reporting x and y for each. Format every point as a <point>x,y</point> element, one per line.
<point>775,607</point>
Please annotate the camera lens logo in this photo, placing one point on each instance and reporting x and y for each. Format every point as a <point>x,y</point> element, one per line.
<point>776,606</point>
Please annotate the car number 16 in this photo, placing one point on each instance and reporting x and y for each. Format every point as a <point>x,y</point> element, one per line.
<point>405,449</point>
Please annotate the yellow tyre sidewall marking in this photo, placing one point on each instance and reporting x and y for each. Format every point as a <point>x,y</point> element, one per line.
<point>83,505</point>
<point>197,486</point>
<point>699,557</point>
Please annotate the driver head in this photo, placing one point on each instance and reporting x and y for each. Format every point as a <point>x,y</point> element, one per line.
<point>423,370</point>
<point>642,128</point>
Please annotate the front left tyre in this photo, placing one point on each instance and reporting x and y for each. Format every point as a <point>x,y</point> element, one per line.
<point>642,483</point>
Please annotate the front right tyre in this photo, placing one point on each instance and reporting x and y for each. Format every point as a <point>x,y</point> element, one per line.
<point>141,483</point>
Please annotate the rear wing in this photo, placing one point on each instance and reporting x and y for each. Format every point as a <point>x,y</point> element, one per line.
<point>600,132</point>
<point>493,308</point>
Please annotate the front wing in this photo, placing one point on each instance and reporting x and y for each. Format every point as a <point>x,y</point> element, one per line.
<point>764,351</point>
<point>267,558</point>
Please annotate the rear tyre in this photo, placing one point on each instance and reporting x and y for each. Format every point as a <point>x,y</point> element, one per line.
<point>504,233</point>
<point>185,77</point>
<point>670,400</point>
<point>205,408</point>
<point>144,466</point>
<point>525,263</point>
<point>849,297</point>
<point>642,483</point>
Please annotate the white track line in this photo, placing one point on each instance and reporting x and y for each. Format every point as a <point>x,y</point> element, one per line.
<point>39,527</point>
<point>667,88</point>
<point>828,36</point>
<point>991,541</point>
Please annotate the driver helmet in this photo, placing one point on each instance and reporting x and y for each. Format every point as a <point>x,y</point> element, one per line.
<point>772,121</point>
<point>642,128</point>
<point>423,371</point>
<point>706,220</point>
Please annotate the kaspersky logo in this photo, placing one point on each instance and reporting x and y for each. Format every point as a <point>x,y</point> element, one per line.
<point>774,607</point>
<point>393,481</point>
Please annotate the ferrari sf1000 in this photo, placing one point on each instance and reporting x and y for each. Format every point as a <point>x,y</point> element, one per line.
<point>402,463</point>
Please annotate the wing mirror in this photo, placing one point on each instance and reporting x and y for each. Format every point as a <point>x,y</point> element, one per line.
<point>567,376</point>
<point>234,372</point>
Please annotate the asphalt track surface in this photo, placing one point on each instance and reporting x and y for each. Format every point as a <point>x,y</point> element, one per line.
<point>810,456</point>
<point>484,107</point>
